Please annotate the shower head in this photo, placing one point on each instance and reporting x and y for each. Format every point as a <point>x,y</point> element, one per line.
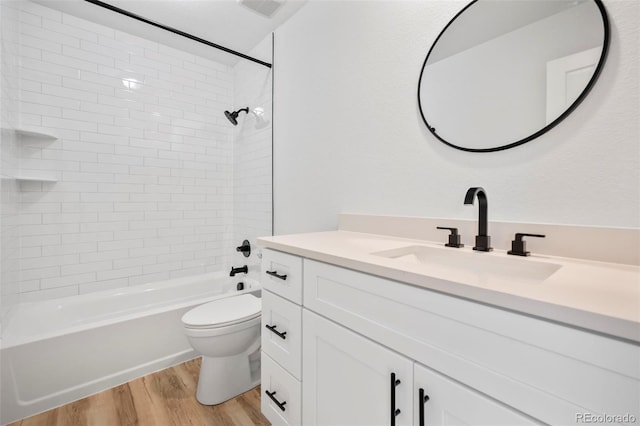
<point>233,116</point>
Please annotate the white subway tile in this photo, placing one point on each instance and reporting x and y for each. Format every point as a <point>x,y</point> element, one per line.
<point>134,261</point>
<point>39,109</point>
<point>104,109</point>
<point>88,86</point>
<point>128,104</point>
<point>69,30</point>
<point>147,170</point>
<point>83,268</point>
<point>104,168</point>
<point>69,248</point>
<point>60,59</point>
<point>120,216</point>
<point>40,10</point>
<point>31,52</point>
<point>119,131</point>
<point>102,285</point>
<point>109,141</point>
<point>39,273</point>
<point>85,237</point>
<point>149,251</point>
<point>103,255</point>
<point>55,101</point>
<point>140,234</point>
<point>49,229</point>
<point>67,280</point>
<point>87,177</point>
<point>149,143</point>
<point>102,197</point>
<point>142,179</point>
<point>103,226</point>
<point>89,26</point>
<point>120,245</point>
<point>26,286</point>
<point>119,273</point>
<point>135,40</point>
<point>29,219</point>
<point>48,36</point>
<point>162,267</point>
<point>120,46</point>
<point>134,206</point>
<point>67,92</point>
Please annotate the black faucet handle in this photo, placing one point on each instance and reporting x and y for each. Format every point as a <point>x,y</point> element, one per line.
<point>454,237</point>
<point>245,248</point>
<point>519,246</point>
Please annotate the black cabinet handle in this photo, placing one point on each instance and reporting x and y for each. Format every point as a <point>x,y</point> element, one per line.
<point>394,411</point>
<point>422,399</point>
<point>273,398</point>
<point>275,274</point>
<point>282,335</point>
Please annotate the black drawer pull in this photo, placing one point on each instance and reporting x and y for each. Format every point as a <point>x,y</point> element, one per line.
<point>275,274</point>
<point>273,398</point>
<point>282,335</point>
<point>394,411</point>
<point>422,399</point>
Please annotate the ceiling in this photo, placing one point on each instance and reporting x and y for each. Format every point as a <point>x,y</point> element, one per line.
<point>224,22</point>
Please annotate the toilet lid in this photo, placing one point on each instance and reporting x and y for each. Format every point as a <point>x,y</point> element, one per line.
<point>223,312</point>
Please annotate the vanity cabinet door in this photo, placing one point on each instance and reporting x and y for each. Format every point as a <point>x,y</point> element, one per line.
<point>444,401</point>
<point>348,378</point>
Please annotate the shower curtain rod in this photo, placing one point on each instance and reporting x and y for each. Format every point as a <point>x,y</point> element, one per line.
<point>176,31</point>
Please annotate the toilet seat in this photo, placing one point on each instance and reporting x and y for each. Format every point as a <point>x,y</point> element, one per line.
<point>224,312</point>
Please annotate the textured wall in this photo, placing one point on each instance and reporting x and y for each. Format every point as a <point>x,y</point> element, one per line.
<point>349,137</point>
<point>144,159</point>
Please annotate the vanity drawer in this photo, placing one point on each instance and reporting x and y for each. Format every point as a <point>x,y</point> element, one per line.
<point>282,331</point>
<point>281,274</point>
<point>280,401</point>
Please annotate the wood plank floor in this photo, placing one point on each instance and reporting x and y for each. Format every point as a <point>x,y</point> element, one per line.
<point>163,398</point>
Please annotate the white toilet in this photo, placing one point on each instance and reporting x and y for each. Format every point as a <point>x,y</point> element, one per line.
<point>227,334</point>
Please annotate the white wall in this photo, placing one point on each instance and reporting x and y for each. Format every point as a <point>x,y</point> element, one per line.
<point>349,137</point>
<point>144,159</point>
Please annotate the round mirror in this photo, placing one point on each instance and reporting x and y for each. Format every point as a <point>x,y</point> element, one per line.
<point>503,72</point>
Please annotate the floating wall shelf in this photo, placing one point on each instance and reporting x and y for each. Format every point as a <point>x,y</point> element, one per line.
<point>35,179</point>
<point>33,134</point>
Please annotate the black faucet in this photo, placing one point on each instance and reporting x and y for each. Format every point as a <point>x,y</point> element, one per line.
<point>483,241</point>
<point>244,269</point>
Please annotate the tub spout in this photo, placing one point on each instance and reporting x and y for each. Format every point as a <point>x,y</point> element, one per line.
<point>244,269</point>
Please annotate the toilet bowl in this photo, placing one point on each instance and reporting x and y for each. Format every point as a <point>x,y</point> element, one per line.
<point>226,332</point>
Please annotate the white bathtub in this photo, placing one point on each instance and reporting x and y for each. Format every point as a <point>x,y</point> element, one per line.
<point>61,350</point>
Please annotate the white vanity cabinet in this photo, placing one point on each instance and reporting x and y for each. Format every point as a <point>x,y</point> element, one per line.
<point>281,277</point>
<point>478,364</point>
<point>442,401</point>
<point>351,380</point>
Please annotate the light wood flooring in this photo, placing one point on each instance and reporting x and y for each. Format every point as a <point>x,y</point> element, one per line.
<point>163,398</point>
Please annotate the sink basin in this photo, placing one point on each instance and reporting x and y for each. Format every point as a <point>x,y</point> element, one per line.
<point>479,266</point>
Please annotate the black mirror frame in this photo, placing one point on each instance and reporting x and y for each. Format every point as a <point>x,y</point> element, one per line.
<point>565,114</point>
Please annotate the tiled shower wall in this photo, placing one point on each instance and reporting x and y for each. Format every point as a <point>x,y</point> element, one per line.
<point>8,155</point>
<point>143,159</point>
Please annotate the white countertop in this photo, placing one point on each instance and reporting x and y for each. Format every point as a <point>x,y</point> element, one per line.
<point>596,296</point>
